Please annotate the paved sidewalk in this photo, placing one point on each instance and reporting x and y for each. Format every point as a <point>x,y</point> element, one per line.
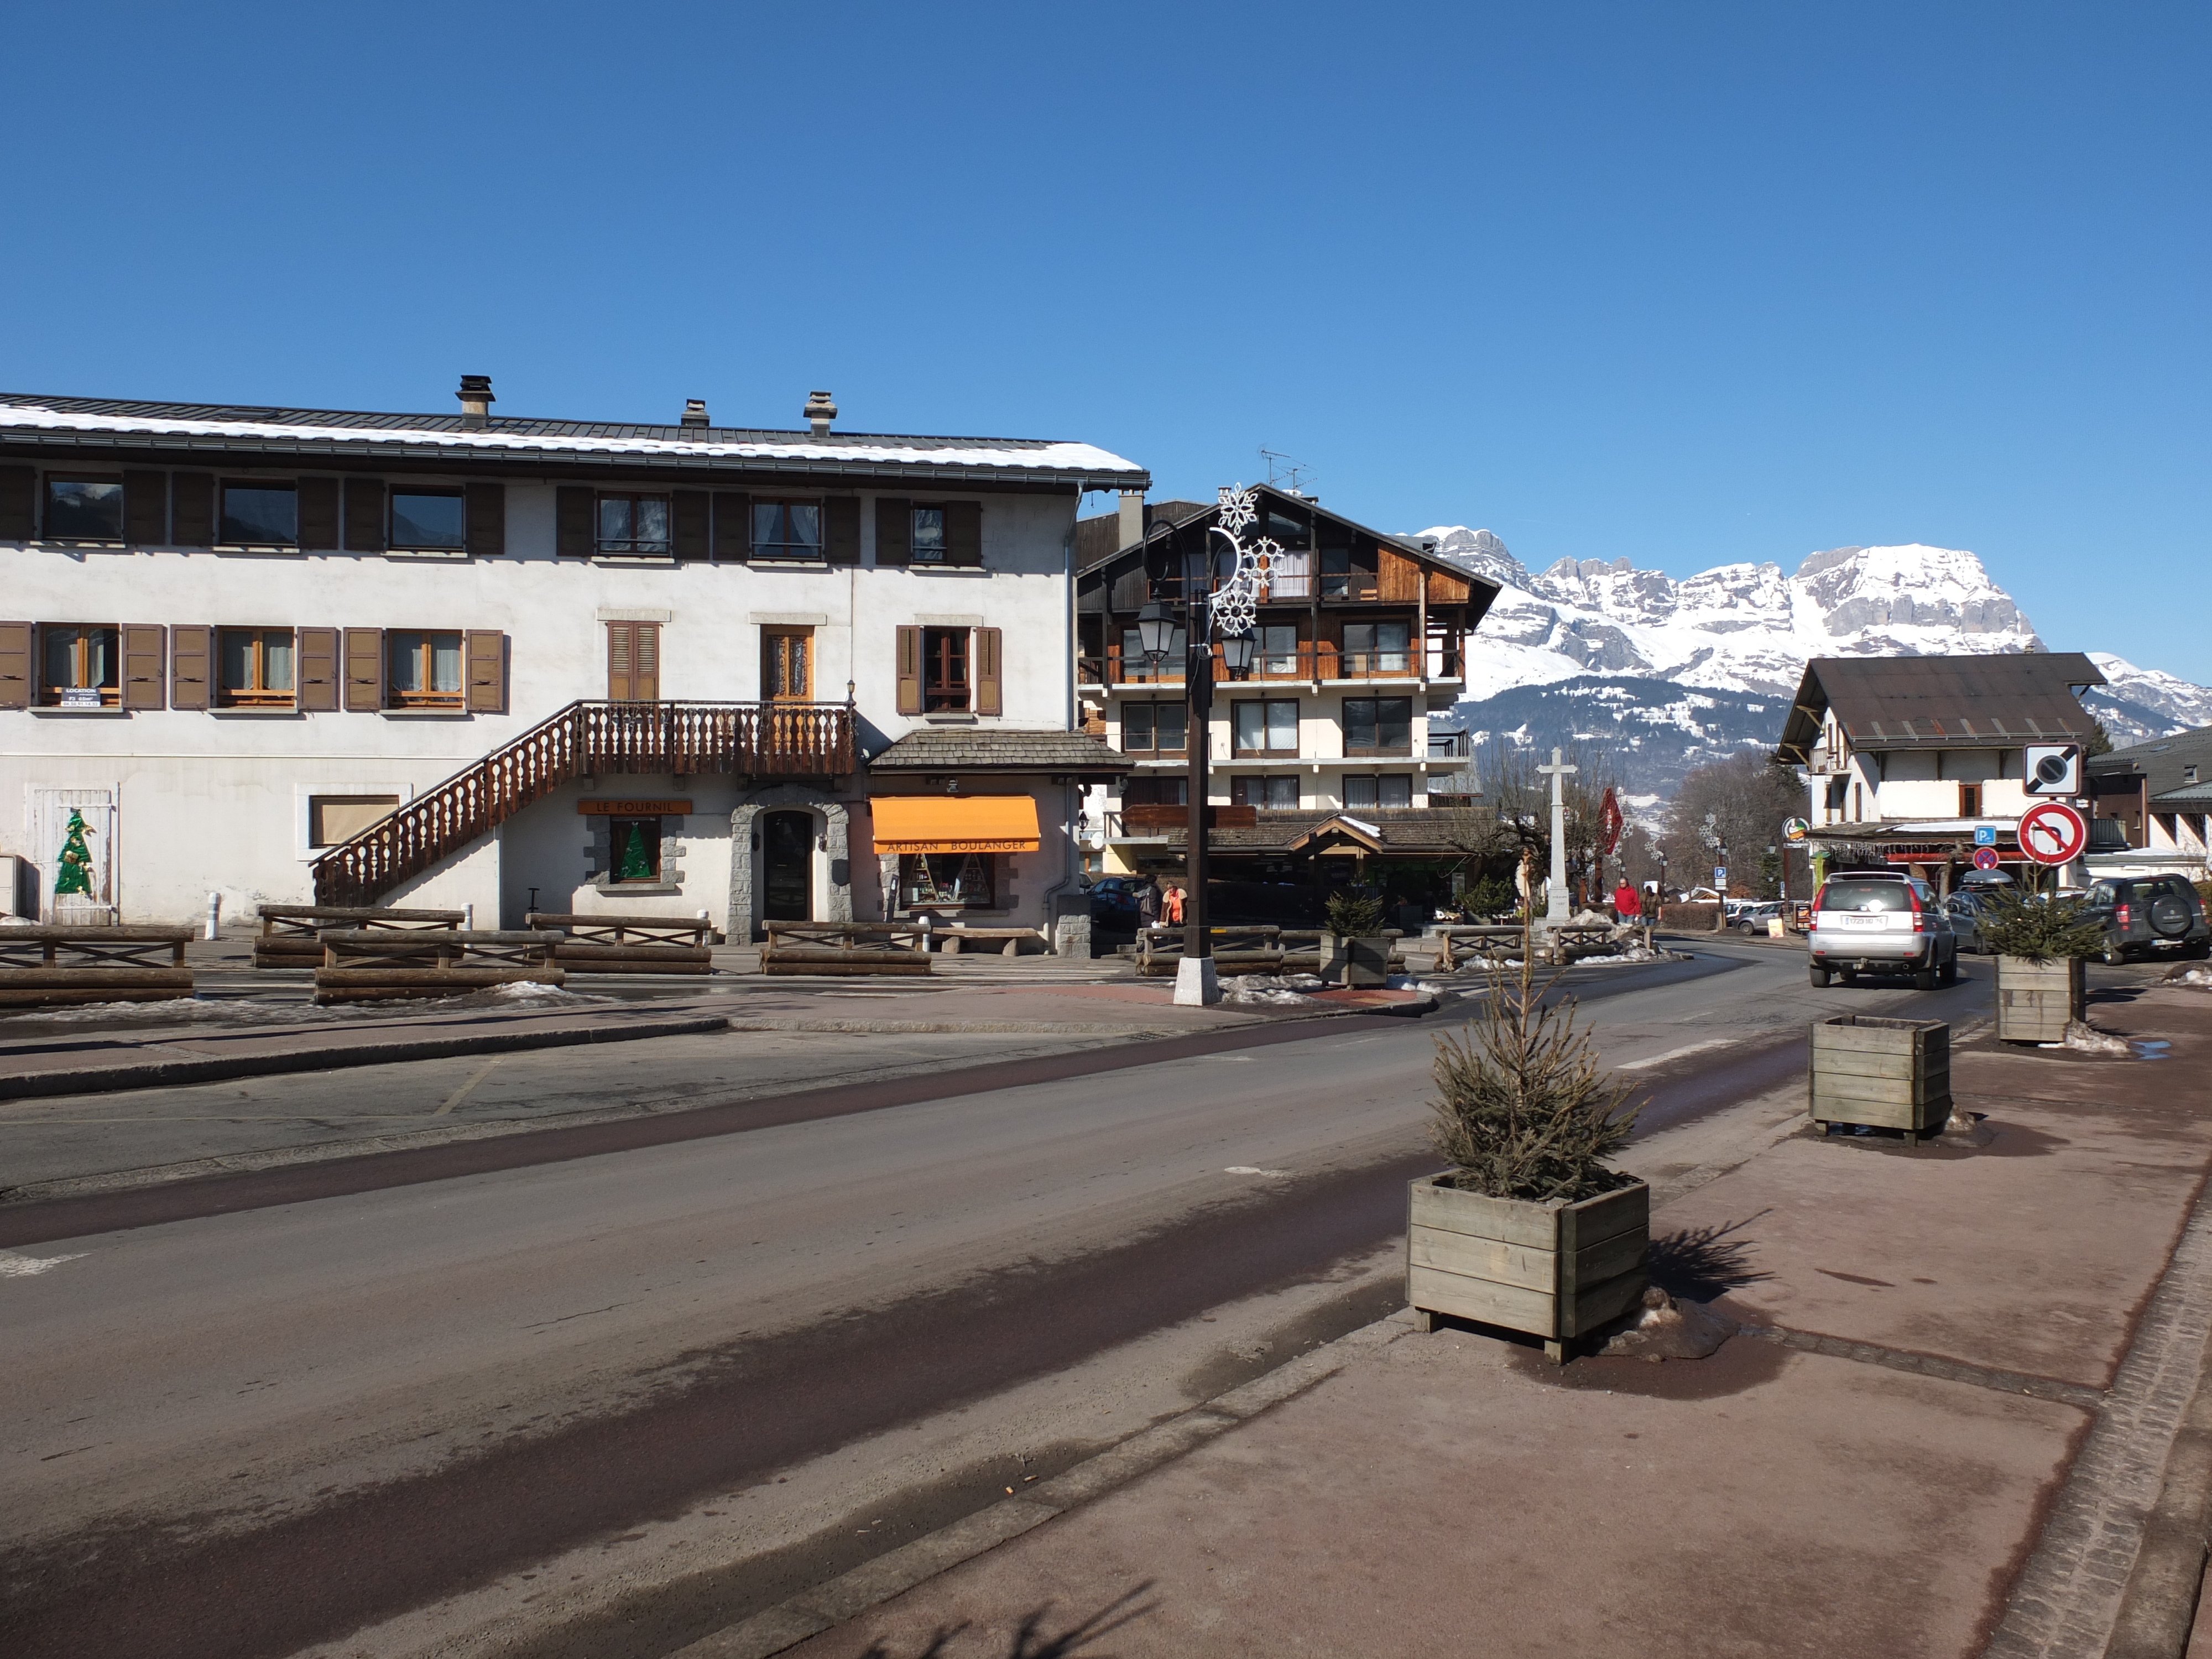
<point>1941,1432</point>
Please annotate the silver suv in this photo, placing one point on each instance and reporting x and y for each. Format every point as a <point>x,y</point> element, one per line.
<point>1874,921</point>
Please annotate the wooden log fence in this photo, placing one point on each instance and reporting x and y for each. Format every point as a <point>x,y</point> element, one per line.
<point>629,944</point>
<point>839,948</point>
<point>292,934</point>
<point>381,966</point>
<point>56,966</point>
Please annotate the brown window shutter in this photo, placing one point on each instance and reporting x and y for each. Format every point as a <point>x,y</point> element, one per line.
<point>619,644</point>
<point>688,512</point>
<point>364,516</point>
<point>486,656</point>
<point>145,665</point>
<point>909,671</point>
<point>190,653</point>
<point>364,670</point>
<point>315,673</point>
<point>146,508</point>
<point>191,509</point>
<point>483,519</point>
<point>733,524</point>
<point>14,664</point>
<point>645,665</point>
<point>18,497</point>
<point>988,698</point>
<point>964,532</point>
<point>319,514</point>
<point>840,529</point>
<point>894,530</point>
<point>574,535</point>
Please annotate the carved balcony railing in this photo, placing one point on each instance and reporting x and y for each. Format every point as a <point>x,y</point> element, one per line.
<point>585,739</point>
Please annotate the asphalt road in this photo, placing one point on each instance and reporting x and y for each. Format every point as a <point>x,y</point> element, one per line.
<point>271,1413</point>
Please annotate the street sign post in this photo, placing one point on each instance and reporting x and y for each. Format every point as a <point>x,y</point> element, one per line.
<point>2053,768</point>
<point>1720,878</point>
<point>2051,832</point>
<point>1986,835</point>
<point>1986,858</point>
<point>1795,830</point>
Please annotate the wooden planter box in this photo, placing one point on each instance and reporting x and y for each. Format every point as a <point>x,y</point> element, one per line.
<point>1361,963</point>
<point>1557,1271</point>
<point>1884,1074</point>
<point>2035,1000</point>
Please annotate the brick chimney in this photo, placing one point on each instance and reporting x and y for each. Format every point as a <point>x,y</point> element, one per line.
<point>820,411</point>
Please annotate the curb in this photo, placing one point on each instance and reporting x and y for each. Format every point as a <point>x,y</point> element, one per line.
<point>848,1595</point>
<point>926,1027</point>
<point>2158,1605</point>
<point>154,1074</point>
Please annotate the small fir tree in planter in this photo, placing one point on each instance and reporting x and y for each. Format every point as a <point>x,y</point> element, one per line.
<point>1358,951</point>
<point>2041,945</point>
<point>1530,1229</point>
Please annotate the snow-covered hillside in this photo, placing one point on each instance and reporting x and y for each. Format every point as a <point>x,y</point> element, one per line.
<point>1668,674</point>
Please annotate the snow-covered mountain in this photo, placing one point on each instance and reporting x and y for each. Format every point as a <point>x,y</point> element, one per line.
<point>1668,674</point>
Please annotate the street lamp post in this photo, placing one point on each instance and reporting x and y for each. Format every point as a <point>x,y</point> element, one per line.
<point>1197,980</point>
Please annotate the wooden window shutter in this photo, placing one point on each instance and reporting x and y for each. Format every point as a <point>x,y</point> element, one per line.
<point>840,529</point>
<point>690,511</point>
<point>964,532</point>
<point>573,534</point>
<point>486,656</point>
<point>192,652</point>
<point>319,514</point>
<point>146,508</point>
<point>364,515</point>
<point>315,672</point>
<point>18,497</point>
<point>894,530</point>
<point>733,524</point>
<point>191,509</point>
<point>989,700</point>
<point>483,519</point>
<point>14,664</point>
<point>145,665</point>
<point>364,670</point>
<point>633,662</point>
<point>909,671</point>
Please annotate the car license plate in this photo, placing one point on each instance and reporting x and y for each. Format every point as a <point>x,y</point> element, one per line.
<point>1867,924</point>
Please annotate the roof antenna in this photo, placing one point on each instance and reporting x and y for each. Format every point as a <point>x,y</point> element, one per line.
<point>1288,475</point>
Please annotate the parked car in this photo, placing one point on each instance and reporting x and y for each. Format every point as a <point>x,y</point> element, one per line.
<point>1751,917</point>
<point>1969,908</point>
<point>1114,901</point>
<point>2145,914</point>
<point>1875,921</point>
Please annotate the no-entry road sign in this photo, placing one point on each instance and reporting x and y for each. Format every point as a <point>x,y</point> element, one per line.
<point>2051,832</point>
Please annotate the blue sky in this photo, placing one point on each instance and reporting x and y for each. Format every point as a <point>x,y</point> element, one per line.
<point>1688,284</point>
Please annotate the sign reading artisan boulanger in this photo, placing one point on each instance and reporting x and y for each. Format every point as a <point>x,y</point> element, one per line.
<point>634,809</point>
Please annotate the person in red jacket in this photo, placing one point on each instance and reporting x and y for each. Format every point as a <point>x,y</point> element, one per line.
<point>1627,903</point>
<point>1171,907</point>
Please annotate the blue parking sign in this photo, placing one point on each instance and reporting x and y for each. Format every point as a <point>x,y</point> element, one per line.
<point>1986,835</point>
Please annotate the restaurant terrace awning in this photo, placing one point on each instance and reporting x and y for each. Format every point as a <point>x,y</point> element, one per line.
<point>954,824</point>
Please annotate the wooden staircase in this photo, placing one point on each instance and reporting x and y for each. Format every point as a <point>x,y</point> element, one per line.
<point>585,739</point>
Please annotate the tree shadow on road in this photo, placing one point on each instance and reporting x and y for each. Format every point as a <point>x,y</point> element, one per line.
<point>1701,1263</point>
<point>1029,1640</point>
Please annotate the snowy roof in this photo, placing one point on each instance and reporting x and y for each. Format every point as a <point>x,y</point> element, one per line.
<point>1997,701</point>
<point>78,422</point>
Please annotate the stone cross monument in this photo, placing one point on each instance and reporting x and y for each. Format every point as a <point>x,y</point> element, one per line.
<point>1555,908</point>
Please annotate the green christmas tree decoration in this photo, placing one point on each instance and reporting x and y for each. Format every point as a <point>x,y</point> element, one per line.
<point>74,876</point>
<point>636,863</point>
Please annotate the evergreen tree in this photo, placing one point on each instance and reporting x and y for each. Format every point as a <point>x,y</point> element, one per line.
<point>74,875</point>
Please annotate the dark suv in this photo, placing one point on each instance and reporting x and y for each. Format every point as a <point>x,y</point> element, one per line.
<point>2143,914</point>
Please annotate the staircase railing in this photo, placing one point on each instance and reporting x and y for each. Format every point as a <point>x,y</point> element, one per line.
<point>584,739</point>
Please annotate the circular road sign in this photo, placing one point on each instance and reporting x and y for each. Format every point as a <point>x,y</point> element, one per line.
<point>2051,832</point>
<point>1986,858</point>
<point>1795,829</point>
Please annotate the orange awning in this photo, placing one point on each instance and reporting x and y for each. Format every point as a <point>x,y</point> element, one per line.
<point>954,824</point>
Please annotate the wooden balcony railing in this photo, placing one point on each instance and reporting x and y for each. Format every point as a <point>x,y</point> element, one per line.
<point>1306,661</point>
<point>585,739</point>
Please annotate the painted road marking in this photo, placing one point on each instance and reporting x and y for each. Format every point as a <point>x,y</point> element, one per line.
<point>13,1265</point>
<point>461,1093</point>
<point>1675,1054</point>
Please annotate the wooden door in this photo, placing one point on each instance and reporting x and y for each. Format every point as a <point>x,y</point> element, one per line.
<point>788,664</point>
<point>633,662</point>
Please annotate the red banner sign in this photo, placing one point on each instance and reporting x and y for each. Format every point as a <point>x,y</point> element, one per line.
<point>1608,825</point>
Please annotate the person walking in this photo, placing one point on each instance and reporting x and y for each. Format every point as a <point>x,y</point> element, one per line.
<point>1171,907</point>
<point>1627,903</point>
<point>1148,903</point>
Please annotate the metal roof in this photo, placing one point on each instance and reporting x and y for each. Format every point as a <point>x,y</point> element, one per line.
<point>977,749</point>
<point>126,425</point>
<point>2001,701</point>
<point>2165,765</point>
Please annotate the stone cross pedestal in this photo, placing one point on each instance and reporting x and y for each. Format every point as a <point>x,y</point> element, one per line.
<point>1555,906</point>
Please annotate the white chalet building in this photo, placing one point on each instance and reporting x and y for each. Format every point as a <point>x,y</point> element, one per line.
<point>298,655</point>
